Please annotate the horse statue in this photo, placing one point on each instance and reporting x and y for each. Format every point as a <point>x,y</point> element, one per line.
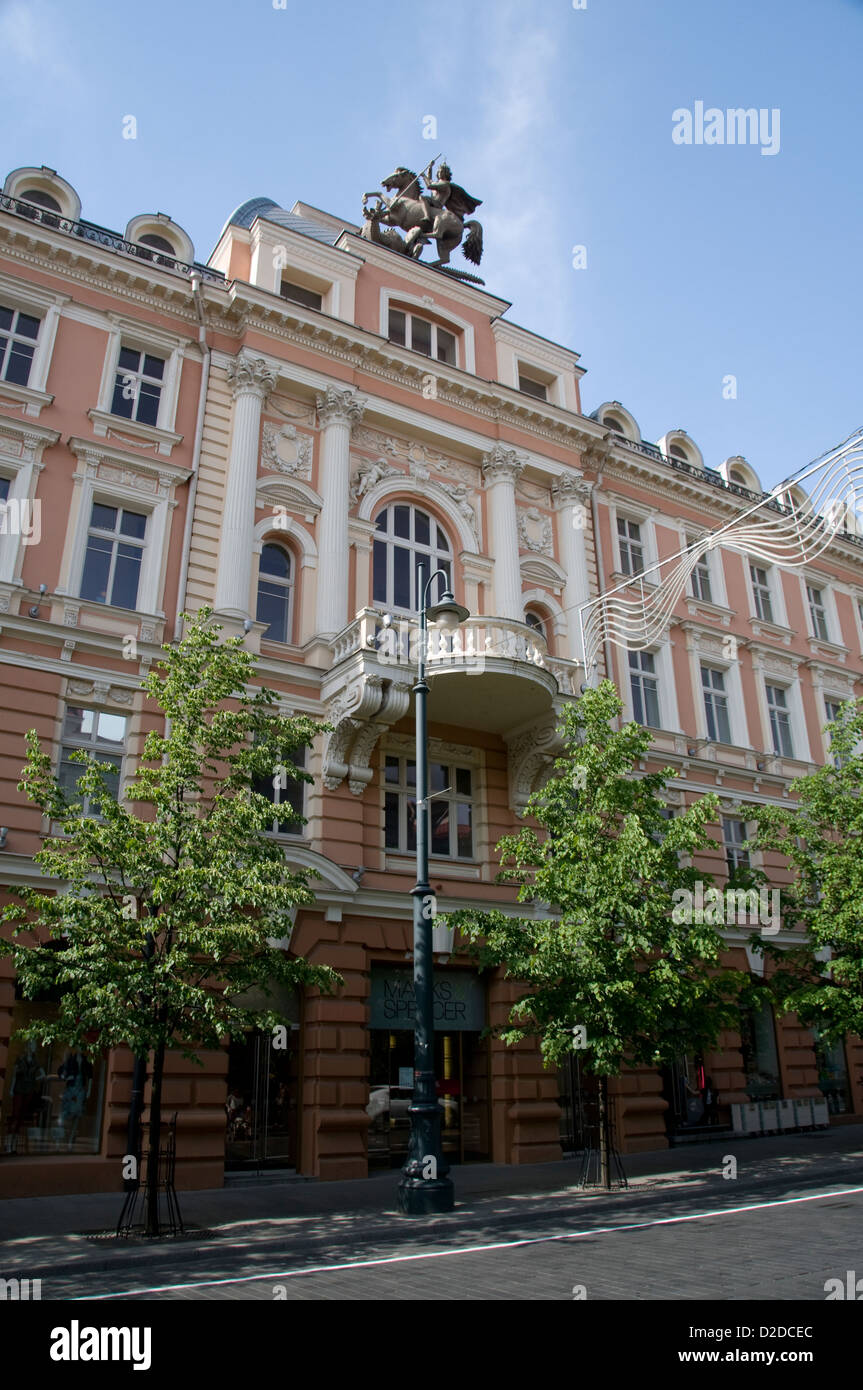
<point>434,213</point>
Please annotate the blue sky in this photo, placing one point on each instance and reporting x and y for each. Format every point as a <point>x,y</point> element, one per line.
<point>703,261</point>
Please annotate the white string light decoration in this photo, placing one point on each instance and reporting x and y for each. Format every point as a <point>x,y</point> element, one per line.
<point>776,529</point>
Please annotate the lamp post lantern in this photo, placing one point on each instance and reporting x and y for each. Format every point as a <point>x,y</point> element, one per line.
<point>425,1188</point>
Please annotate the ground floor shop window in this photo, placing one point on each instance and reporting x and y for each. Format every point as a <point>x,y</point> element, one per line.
<point>833,1075</point>
<point>577,1097</point>
<point>691,1096</point>
<point>760,1056</point>
<point>53,1095</point>
<point>462,1066</point>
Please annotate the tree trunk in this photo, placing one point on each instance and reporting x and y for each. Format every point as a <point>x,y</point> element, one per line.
<point>604,1135</point>
<point>152,1228</point>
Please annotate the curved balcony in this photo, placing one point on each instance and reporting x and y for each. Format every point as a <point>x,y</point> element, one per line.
<point>512,677</point>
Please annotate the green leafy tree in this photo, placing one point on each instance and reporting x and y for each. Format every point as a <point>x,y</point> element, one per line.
<point>820,834</point>
<point>617,969</point>
<point>170,904</point>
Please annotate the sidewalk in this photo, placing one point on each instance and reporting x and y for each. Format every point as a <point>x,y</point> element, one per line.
<point>41,1236</point>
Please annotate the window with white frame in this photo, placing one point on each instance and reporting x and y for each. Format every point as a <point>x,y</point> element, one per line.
<point>100,733</point>
<point>138,386</point>
<point>701,576</point>
<point>780,720</point>
<point>761,593</point>
<point>644,685</point>
<point>112,561</point>
<point>832,708</point>
<point>630,545</point>
<point>18,335</point>
<point>405,535</point>
<point>817,612</point>
<point>422,335</point>
<point>532,387</point>
<point>300,294</point>
<point>287,793</point>
<point>275,581</point>
<point>450,808</point>
<point>715,704</point>
<point>734,837</point>
<point>4,489</point>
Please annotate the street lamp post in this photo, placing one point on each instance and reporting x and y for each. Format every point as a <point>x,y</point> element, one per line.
<point>425,1188</point>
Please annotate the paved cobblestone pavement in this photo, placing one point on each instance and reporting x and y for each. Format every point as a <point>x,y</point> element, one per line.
<point>770,1249</point>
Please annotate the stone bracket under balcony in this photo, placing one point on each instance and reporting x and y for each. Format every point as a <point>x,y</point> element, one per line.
<point>513,685</point>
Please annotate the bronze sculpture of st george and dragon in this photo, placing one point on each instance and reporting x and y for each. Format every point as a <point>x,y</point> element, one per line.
<point>426,209</point>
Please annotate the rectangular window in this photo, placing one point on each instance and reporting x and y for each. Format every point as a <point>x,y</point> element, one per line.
<point>761,594</point>
<point>701,578</point>
<point>631,547</point>
<point>285,792</point>
<point>138,386</point>
<point>115,549</point>
<point>645,689</point>
<point>734,837</point>
<point>532,388</point>
<point>4,489</point>
<point>817,612</point>
<point>99,733</point>
<point>450,808</point>
<point>422,336</point>
<point>832,708</point>
<point>760,1058</point>
<point>18,334</point>
<point>715,705</point>
<point>780,721</point>
<point>398,327</point>
<point>298,294</point>
<point>446,347</point>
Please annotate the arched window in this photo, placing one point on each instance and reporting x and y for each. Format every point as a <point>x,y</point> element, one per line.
<point>274,593</point>
<point>535,621</point>
<point>676,452</point>
<point>44,200</point>
<point>158,243</point>
<point>406,535</point>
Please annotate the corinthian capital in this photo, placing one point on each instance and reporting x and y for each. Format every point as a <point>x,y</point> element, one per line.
<point>570,490</point>
<point>251,374</point>
<point>502,463</point>
<point>343,407</point>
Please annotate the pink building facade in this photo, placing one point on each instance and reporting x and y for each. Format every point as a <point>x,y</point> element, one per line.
<point>280,434</point>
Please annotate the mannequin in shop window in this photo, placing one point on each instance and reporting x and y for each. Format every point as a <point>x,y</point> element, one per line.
<point>25,1093</point>
<point>77,1073</point>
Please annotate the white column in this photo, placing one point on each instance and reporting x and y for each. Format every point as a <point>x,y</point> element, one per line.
<point>501,468</point>
<point>572,499</point>
<point>338,410</point>
<point>252,379</point>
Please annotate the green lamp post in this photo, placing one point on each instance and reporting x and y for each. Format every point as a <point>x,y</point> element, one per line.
<point>425,1188</point>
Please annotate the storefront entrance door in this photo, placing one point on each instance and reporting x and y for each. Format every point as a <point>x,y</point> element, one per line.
<point>261,1108</point>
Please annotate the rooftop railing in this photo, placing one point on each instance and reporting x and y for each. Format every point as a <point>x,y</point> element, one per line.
<point>106,239</point>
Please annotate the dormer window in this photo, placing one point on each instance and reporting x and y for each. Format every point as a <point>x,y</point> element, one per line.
<point>300,294</point>
<point>158,243</point>
<point>532,387</point>
<point>42,200</point>
<point>422,335</point>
